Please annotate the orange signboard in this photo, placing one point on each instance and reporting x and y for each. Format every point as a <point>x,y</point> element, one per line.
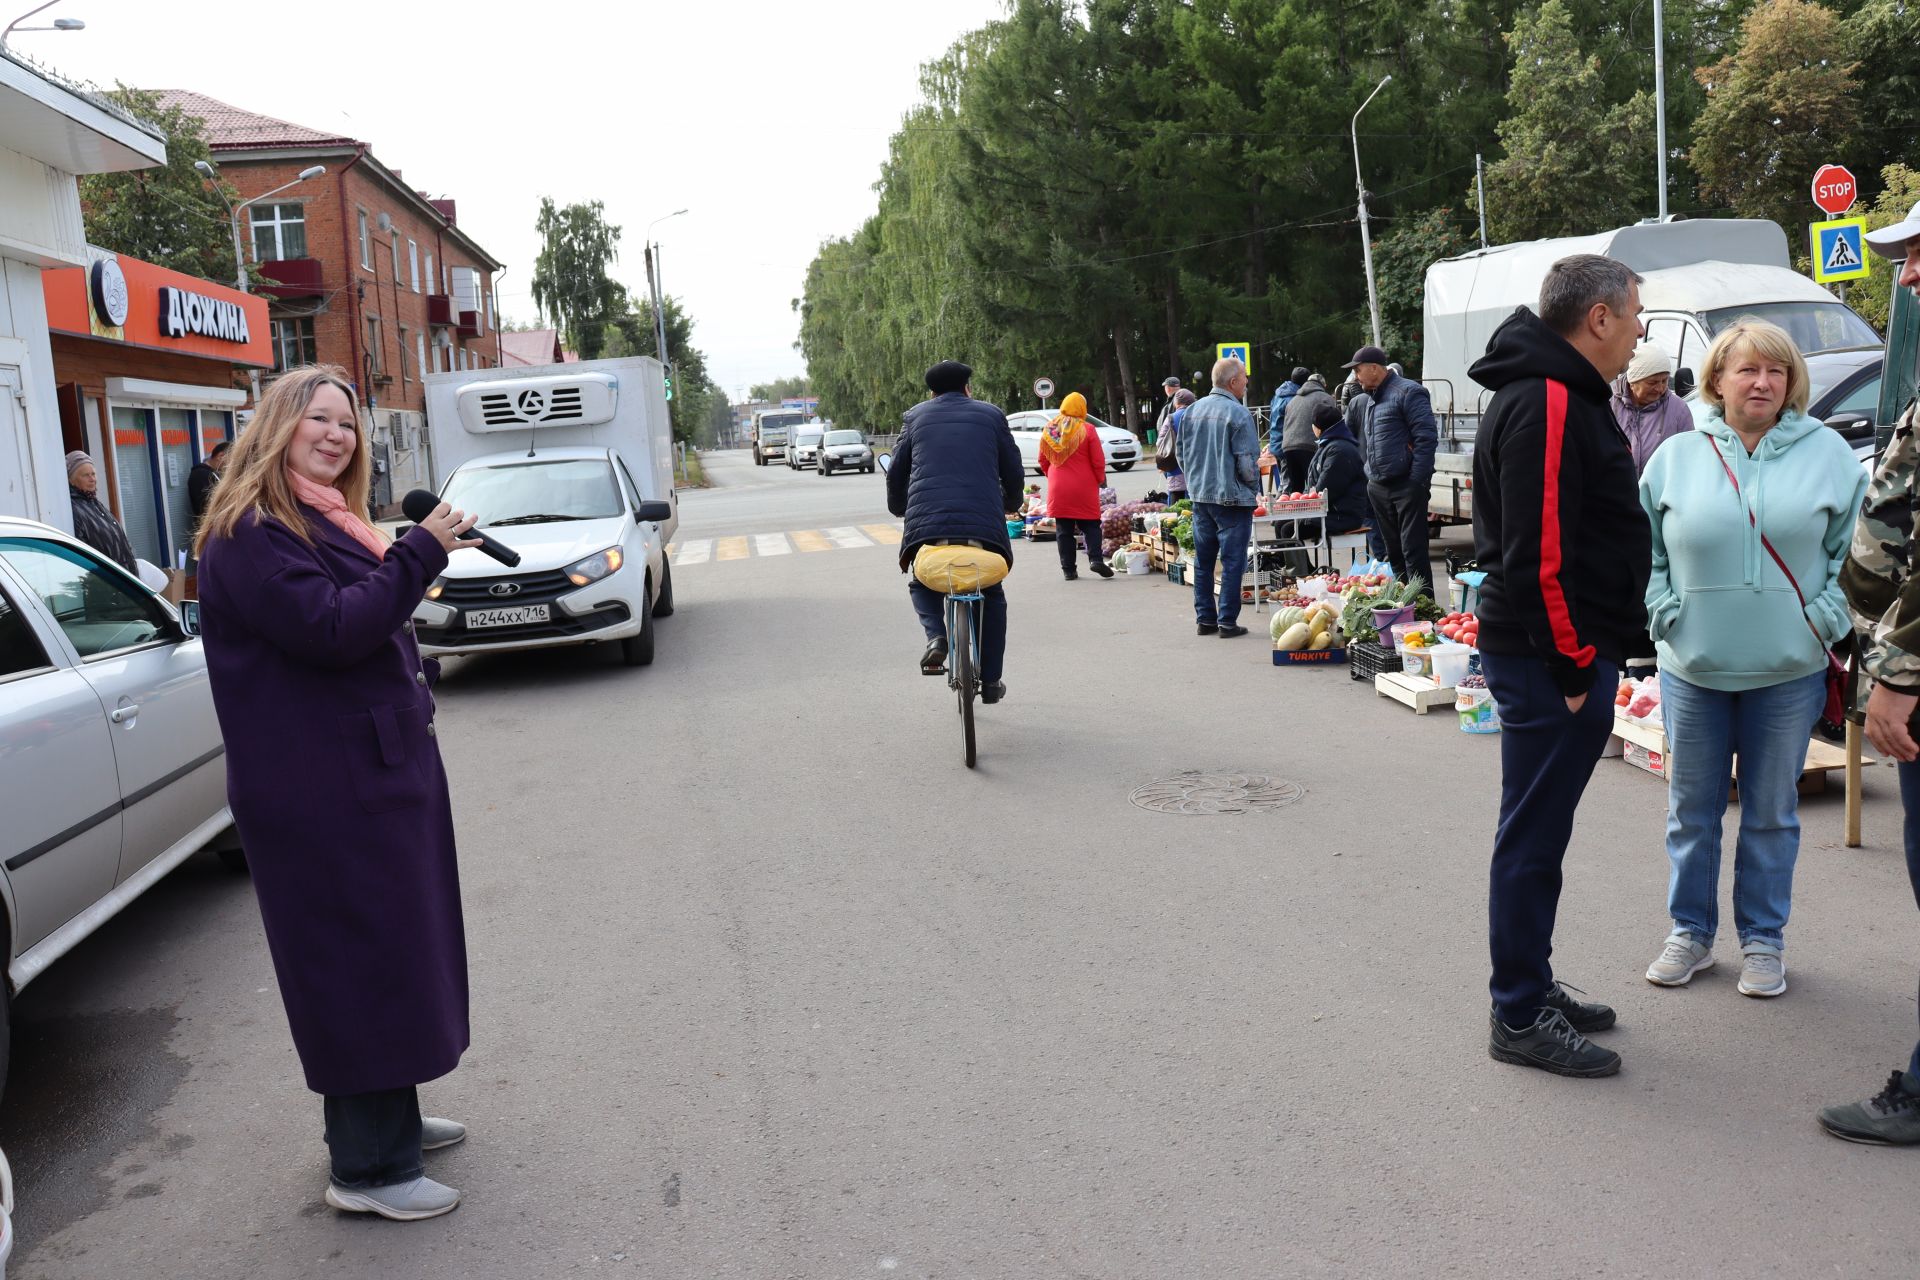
<point>123,299</point>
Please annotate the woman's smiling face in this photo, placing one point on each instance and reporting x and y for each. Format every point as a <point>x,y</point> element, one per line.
<point>324,441</point>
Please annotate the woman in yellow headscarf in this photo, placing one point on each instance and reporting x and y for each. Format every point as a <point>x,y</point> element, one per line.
<point>1076,469</point>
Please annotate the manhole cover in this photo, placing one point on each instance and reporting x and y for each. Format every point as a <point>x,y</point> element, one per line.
<point>1197,793</point>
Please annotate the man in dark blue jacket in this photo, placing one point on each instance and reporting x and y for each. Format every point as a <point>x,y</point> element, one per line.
<point>955,474</point>
<point>1401,437</point>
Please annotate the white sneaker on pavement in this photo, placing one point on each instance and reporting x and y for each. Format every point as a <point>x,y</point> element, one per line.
<point>1678,961</point>
<point>1763,973</point>
<point>402,1201</point>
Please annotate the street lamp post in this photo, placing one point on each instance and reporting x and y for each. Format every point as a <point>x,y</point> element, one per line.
<point>233,219</point>
<point>657,290</point>
<point>59,24</point>
<point>1366,241</point>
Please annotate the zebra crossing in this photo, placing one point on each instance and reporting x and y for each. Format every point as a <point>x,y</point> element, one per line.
<point>797,541</point>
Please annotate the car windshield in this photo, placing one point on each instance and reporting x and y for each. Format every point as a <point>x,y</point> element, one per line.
<point>809,437</point>
<point>537,492</point>
<point>1813,326</point>
<point>779,421</point>
<point>844,437</point>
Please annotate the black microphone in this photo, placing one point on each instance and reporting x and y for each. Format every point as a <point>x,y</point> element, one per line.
<point>420,503</point>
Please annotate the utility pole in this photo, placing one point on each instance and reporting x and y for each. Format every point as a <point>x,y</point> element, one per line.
<point>1660,101</point>
<point>1480,189</point>
<point>1366,240</point>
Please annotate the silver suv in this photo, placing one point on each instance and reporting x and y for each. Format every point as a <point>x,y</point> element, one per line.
<point>113,769</point>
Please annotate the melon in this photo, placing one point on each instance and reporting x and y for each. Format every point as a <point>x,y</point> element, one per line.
<point>1294,638</point>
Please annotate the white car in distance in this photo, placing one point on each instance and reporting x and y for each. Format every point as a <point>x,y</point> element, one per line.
<point>1121,448</point>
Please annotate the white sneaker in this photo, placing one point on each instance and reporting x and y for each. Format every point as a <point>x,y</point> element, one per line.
<point>403,1201</point>
<point>1679,961</point>
<point>1763,974</point>
<point>436,1133</point>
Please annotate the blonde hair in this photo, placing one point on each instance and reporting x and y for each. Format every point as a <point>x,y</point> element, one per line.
<point>255,480</point>
<point>1769,342</point>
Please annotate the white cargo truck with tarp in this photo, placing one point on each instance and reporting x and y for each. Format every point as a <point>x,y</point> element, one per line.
<point>571,466</point>
<point>1699,277</point>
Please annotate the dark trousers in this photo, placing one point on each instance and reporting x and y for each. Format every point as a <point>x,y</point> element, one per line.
<point>374,1137</point>
<point>932,608</point>
<point>1297,461</point>
<point>1376,545</point>
<point>1400,514</point>
<point>1910,799</point>
<point>1223,533</point>
<point>1547,754</point>
<point>1067,531</point>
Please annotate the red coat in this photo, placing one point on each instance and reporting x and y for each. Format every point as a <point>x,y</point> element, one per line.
<point>1073,488</point>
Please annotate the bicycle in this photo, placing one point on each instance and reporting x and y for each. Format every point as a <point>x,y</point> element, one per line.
<point>963,658</point>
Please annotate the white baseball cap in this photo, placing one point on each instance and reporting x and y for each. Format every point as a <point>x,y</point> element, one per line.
<point>1891,242</point>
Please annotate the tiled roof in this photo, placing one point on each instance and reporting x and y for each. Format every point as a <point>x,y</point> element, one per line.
<point>230,128</point>
<point>530,346</point>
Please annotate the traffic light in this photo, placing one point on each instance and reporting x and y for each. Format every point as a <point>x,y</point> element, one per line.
<point>669,381</point>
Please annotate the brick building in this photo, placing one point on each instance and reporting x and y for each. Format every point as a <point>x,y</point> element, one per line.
<point>370,274</point>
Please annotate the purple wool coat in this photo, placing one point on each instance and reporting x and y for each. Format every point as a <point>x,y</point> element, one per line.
<point>336,786</point>
<point>1649,428</point>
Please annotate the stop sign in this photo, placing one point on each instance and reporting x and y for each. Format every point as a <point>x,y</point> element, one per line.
<point>1834,190</point>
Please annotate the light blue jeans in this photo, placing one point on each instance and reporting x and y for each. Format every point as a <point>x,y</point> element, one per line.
<point>1768,730</point>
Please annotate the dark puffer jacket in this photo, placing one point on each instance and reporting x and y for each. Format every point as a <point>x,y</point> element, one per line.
<point>955,474</point>
<point>1338,473</point>
<point>1401,435</point>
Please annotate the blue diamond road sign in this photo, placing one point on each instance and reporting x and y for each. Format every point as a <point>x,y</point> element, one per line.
<point>1838,253</point>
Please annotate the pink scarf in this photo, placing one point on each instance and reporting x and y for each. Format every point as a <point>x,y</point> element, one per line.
<point>332,504</point>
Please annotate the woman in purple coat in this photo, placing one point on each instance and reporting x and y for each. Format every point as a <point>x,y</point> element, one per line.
<point>335,782</point>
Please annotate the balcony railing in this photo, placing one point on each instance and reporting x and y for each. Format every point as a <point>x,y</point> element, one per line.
<point>292,277</point>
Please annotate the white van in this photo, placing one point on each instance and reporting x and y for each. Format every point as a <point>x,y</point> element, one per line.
<point>571,466</point>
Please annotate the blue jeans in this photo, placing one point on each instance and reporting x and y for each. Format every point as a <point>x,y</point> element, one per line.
<point>931,608</point>
<point>374,1138</point>
<point>1222,532</point>
<point>1768,729</point>
<point>1547,755</point>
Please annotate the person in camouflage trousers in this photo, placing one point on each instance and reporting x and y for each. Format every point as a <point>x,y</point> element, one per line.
<point>1883,592</point>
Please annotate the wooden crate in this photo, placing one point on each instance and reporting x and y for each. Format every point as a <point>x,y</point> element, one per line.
<point>1418,692</point>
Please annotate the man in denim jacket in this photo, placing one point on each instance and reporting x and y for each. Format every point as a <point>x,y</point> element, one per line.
<point>1219,452</point>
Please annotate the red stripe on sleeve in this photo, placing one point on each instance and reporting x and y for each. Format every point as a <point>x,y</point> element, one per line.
<point>1564,637</point>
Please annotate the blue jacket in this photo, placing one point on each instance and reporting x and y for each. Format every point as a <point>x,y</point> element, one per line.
<point>1336,470</point>
<point>1220,451</point>
<point>1282,396</point>
<point>1724,614</point>
<point>956,473</point>
<point>1401,435</point>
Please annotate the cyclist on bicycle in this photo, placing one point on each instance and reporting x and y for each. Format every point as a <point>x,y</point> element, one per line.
<point>955,474</point>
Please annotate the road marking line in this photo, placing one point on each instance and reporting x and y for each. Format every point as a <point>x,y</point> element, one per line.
<point>771,544</point>
<point>848,536</point>
<point>886,534</point>
<point>732,549</point>
<point>811,540</point>
<point>696,551</point>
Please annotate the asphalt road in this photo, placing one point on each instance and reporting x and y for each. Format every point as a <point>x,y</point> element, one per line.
<point>766,984</point>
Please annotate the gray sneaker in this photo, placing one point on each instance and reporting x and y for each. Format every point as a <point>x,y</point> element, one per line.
<point>1679,960</point>
<point>1891,1118</point>
<point>435,1134</point>
<point>1763,974</point>
<point>403,1201</point>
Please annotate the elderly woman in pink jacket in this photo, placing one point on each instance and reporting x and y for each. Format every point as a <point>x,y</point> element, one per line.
<point>1645,406</point>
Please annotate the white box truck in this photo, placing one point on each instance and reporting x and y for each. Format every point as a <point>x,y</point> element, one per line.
<point>1700,276</point>
<point>571,465</point>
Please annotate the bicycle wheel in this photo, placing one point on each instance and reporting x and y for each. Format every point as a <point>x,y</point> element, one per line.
<point>965,680</point>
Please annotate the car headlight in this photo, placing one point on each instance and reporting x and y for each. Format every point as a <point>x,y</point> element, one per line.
<point>434,591</point>
<point>596,566</point>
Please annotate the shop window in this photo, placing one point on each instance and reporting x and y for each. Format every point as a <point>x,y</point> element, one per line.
<point>133,463</point>
<point>279,232</point>
<point>293,343</point>
<point>96,607</point>
<point>176,462</point>
<point>366,241</point>
<point>19,648</point>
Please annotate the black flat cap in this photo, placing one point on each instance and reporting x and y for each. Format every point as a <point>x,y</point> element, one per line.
<point>948,375</point>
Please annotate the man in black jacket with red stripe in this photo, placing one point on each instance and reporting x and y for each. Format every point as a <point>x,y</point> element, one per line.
<point>1557,526</point>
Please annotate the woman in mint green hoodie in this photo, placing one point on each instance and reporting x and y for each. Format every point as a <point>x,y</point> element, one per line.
<point>1743,636</point>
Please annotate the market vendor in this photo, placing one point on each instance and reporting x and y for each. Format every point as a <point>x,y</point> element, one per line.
<point>1337,472</point>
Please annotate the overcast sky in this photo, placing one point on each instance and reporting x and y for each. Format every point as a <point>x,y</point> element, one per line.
<point>766,119</point>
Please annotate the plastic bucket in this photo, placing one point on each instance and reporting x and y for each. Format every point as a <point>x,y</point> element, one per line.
<point>1477,711</point>
<point>1137,563</point>
<point>1384,620</point>
<point>1450,662</point>
<point>1415,662</point>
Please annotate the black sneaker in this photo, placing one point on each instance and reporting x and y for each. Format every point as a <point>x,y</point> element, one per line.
<point>1071,575</point>
<point>1890,1118</point>
<point>934,661</point>
<point>1584,1017</point>
<point>1229,633</point>
<point>1207,629</point>
<point>1101,570</point>
<point>1550,1044</point>
<point>993,691</point>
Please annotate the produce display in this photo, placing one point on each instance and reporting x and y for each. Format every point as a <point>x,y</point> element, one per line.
<point>1461,628</point>
<point>1639,700</point>
<point>1282,501</point>
<point>1296,629</point>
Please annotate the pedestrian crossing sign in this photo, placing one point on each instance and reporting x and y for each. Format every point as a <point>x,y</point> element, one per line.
<point>1241,351</point>
<point>1837,250</point>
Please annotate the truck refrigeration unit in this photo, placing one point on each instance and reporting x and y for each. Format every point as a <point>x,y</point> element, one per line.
<point>571,465</point>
